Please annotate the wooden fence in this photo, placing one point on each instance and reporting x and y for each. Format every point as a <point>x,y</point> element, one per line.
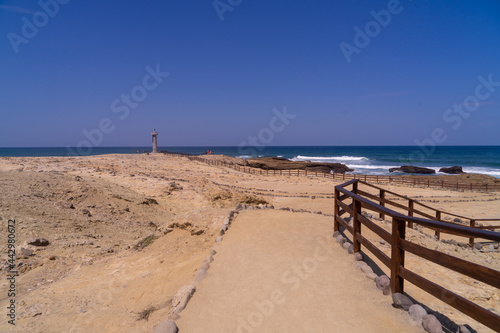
<point>352,201</point>
<point>425,181</point>
<point>415,208</point>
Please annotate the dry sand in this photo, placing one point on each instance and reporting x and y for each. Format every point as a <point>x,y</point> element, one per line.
<point>279,272</point>
<point>95,210</point>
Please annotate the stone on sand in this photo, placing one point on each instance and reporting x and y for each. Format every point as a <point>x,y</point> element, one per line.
<point>26,252</point>
<point>358,256</point>
<point>167,326</point>
<point>366,269</point>
<point>463,329</point>
<point>202,273</point>
<point>401,301</point>
<point>209,259</point>
<point>182,297</point>
<point>431,324</point>
<point>383,281</point>
<point>38,242</point>
<point>417,312</point>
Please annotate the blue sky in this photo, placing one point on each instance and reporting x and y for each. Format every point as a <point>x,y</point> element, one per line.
<point>225,77</point>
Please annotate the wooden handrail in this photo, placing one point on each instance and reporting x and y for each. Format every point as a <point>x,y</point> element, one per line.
<point>466,231</point>
<point>399,246</point>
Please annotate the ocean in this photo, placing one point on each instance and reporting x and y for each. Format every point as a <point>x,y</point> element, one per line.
<point>372,160</point>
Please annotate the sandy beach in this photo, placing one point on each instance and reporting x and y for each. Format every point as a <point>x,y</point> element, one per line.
<point>126,232</point>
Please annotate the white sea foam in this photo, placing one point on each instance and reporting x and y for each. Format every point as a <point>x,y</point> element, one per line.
<point>384,169</point>
<point>248,156</point>
<point>368,166</point>
<point>329,158</point>
<point>484,171</point>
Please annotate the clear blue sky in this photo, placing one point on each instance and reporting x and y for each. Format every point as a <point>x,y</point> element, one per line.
<point>226,76</point>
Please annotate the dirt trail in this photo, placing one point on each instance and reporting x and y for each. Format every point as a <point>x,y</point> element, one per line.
<point>278,271</point>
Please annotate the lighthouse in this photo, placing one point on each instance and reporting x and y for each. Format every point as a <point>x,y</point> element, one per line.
<point>155,141</point>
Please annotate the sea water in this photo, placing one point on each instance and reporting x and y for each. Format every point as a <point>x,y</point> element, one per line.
<point>372,160</point>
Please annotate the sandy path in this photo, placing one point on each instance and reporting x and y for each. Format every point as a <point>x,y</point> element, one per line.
<point>277,271</point>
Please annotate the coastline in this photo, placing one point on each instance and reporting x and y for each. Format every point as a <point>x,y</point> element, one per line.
<point>370,160</point>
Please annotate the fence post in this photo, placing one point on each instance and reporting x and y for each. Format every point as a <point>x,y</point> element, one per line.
<point>336,211</point>
<point>356,225</point>
<point>438,218</point>
<point>397,255</point>
<point>382,203</point>
<point>471,239</point>
<point>410,212</point>
<point>355,188</point>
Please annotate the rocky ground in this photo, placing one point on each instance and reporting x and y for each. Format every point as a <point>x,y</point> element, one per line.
<point>125,232</point>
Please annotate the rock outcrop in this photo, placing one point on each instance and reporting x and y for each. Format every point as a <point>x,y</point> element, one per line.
<point>279,163</point>
<point>454,170</point>
<point>412,169</point>
<point>38,242</point>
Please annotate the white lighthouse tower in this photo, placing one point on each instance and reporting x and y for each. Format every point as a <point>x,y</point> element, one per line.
<point>155,141</point>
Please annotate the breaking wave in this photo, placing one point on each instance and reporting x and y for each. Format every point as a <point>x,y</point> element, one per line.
<point>329,158</point>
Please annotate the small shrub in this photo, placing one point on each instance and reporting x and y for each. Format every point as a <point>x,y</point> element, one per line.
<point>149,201</point>
<point>144,242</point>
<point>144,314</point>
<point>253,201</point>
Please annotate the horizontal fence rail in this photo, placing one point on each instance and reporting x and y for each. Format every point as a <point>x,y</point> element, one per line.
<point>413,207</point>
<point>405,180</point>
<point>352,201</point>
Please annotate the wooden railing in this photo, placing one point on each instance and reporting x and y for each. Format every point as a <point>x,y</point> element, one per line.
<point>351,202</point>
<point>413,207</point>
<point>405,180</point>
